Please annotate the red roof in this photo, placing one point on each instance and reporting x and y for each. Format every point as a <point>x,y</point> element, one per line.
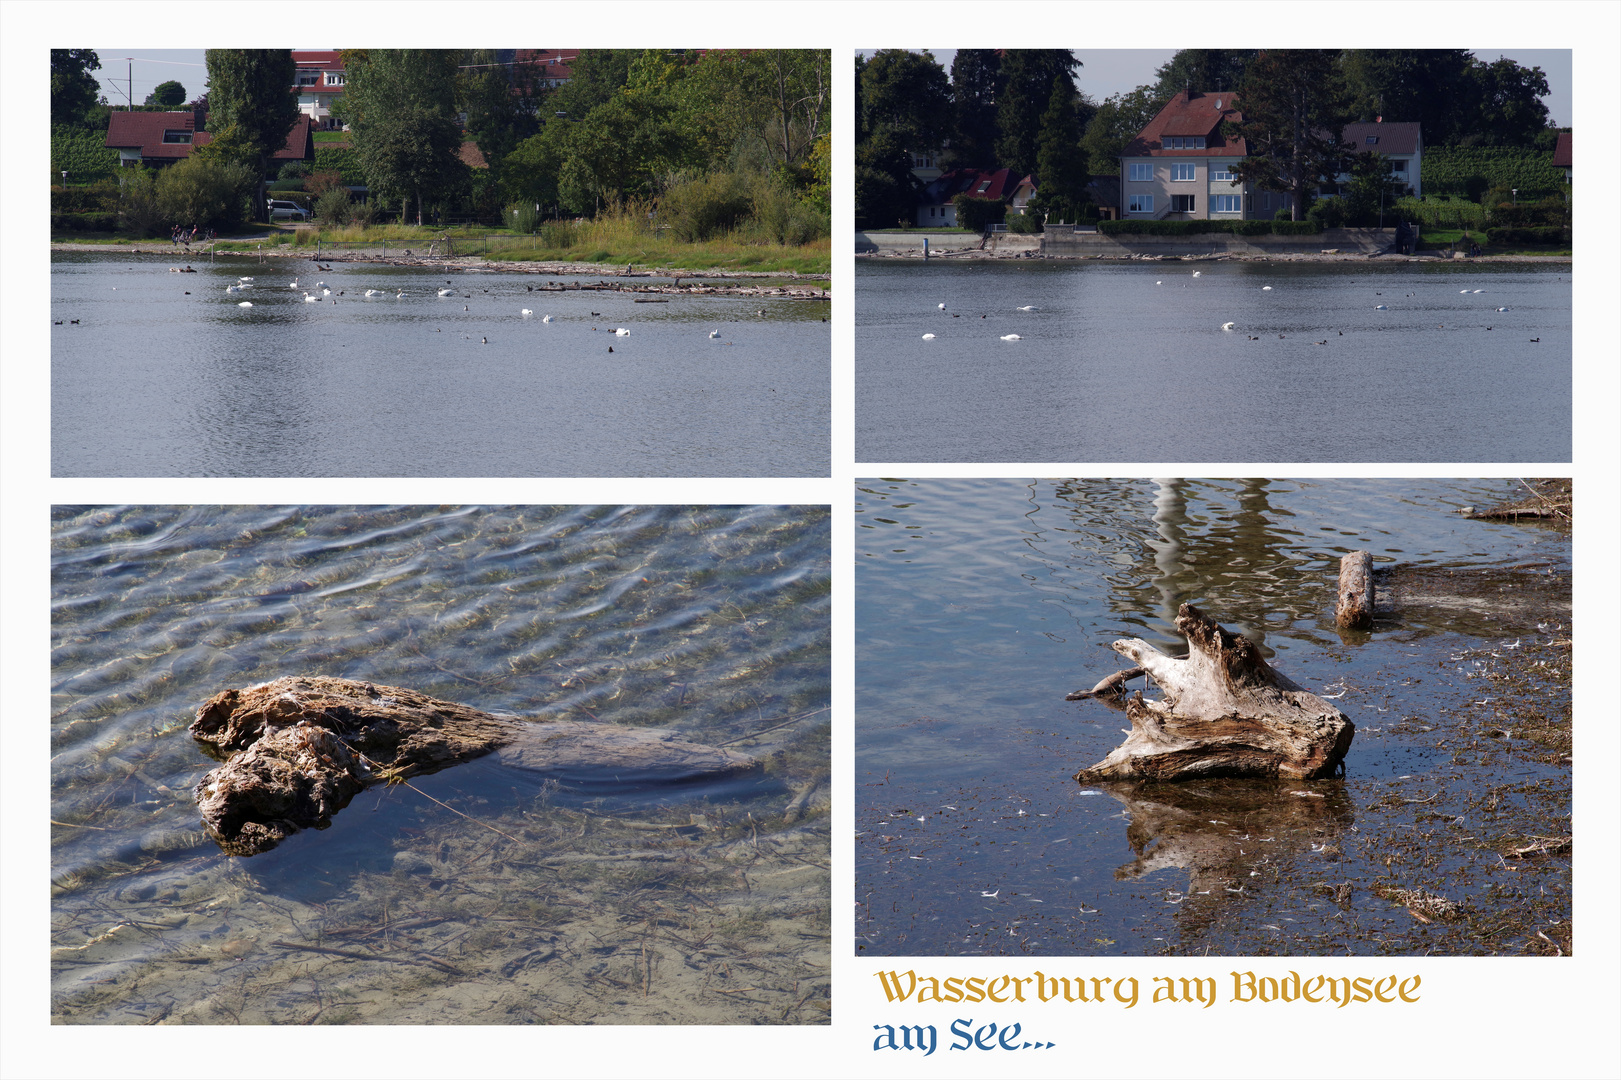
<point>1396,138</point>
<point>321,58</point>
<point>996,184</point>
<point>1190,113</point>
<point>472,156</point>
<point>144,131</point>
<point>1561,151</point>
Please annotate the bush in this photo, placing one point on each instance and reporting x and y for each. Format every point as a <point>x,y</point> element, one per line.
<point>522,218</point>
<point>1326,214</point>
<point>698,209</point>
<point>977,214</point>
<point>139,211</point>
<point>294,170</point>
<point>1294,228</point>
<point>782,216</point>
<point>344,161</point>
<point>332,208</point>
<point>319,183</point>
<point>1023,223</point>
<point>204,192</point>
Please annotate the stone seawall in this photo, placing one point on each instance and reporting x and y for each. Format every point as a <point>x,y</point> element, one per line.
<point>1094,244</point>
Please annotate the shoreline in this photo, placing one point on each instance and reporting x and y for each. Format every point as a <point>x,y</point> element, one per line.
<point>816,287</point>
<point>916,254</point>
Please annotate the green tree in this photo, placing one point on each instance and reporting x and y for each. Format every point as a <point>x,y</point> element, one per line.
<point>886,191</point>
<point>401,108</point>
<point>595,77</point>
<point>1202,70</point>
<point>1117,121</point>
<point>1294,111</point>
<point>1372,191</point>
<point>1425,86</point>
<point>73,88</point>
<point>252,108</point>
<point>529,174</point>
<point>1029,76</point>
<point>906,95</point>
<point>1062,174</point>
<point>167,95</point>
<point>496,120</point>
<point>976,79</point>
<point>1510,111</point>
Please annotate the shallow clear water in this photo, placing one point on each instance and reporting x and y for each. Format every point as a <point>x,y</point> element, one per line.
<point>1129,362</point>
<point>982,603</point>
<point>709,621</point>
<point>155,382</point>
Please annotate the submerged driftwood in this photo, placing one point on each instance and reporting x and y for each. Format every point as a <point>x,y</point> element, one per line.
<point>296,750</point>
<point>1225,713</point>
<point>1354,608</point>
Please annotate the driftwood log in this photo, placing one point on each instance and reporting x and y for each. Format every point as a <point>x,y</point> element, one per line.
<point>296,750</point>
<point>1354,611</point>
<point>1225,713</point>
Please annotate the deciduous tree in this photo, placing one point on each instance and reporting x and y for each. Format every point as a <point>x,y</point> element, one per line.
<point>1028,79</point>
<point>73,88</point>
<point>401,109</point>
<point>252,108</point>
<point>168,95</point>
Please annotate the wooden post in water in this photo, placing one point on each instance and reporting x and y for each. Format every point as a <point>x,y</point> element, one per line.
<point>1355,608</point>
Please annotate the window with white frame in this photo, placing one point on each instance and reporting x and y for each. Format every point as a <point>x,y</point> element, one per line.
<point>334,78</point>
<point>1399,168</point>
<point>1225,204</point>
<point>1184,170</point>
<point>1184,142</point>
<point>1140,204</point>
<point>308,78</point>
<point>1140,171</point>
<point>1181,204</point>
<point>1221,172</point>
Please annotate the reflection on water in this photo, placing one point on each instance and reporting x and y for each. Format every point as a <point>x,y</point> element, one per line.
<point>485,893</point>
<point>421,384</point>
<point>1129,362</point>
<point>982,603</point>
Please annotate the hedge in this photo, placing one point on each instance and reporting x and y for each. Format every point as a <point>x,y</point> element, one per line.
<point>1545,236</point>
<point>91,222</point>
<point>1141,227</point>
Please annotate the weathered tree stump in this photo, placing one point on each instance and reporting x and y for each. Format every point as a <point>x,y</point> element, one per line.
<point>1225,713</point>
<point>298,749</point>
<point>1355,608</point>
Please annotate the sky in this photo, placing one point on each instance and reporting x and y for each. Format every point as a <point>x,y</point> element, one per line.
<point>1115,71</point>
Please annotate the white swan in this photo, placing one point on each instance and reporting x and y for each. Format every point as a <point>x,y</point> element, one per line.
<point>1028,307</point>
<point>1159,283</point>
<point>928,337</point>
<point>447,292</point>
<point>1502,309</point>
<point>1266,288</point>
<point>244,279</point>
<point>1196,273</point>
<point>374,292</point>
<point>294,284</point>
<point>526,313</point>
<point>714,333</point>
<point>1477,292</point>
<point>232,288</point>
<point>942,307</point>
<point>1227,325</point>
<point>1381,307</point>
<point>245,303</point>
<point>308,299</point>
<point>545,318</point>
<point>622,332</point>
<point>1011,337</point>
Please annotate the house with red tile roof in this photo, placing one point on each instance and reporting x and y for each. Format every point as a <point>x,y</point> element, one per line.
<point>1402,143</point>
<point>1180,165</point>
<point>163,138</point>
<point>1561,154</point>
<point>936,208</point>
<point>318,83</point>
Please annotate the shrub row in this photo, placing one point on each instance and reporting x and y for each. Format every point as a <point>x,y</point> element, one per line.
<point>106,221</point>
<point>1539,235</point>
<point>1139,227</point>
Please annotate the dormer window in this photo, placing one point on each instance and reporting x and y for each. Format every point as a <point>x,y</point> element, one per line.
<point>1372,140</point>
<point>308,78</point>
<point>334,78</point>
<point>180,136</point>
<point>1184,142</point>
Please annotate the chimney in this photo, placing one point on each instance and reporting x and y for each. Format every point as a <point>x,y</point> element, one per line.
<point>199,117</point>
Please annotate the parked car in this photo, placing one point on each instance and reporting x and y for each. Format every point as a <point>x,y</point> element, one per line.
<point>282,210</point>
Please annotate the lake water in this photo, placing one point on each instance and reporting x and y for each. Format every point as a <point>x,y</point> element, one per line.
<point>1128,362</point>
<point>509,899</point>
<point>982,603</point>
<point>155,382</point>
